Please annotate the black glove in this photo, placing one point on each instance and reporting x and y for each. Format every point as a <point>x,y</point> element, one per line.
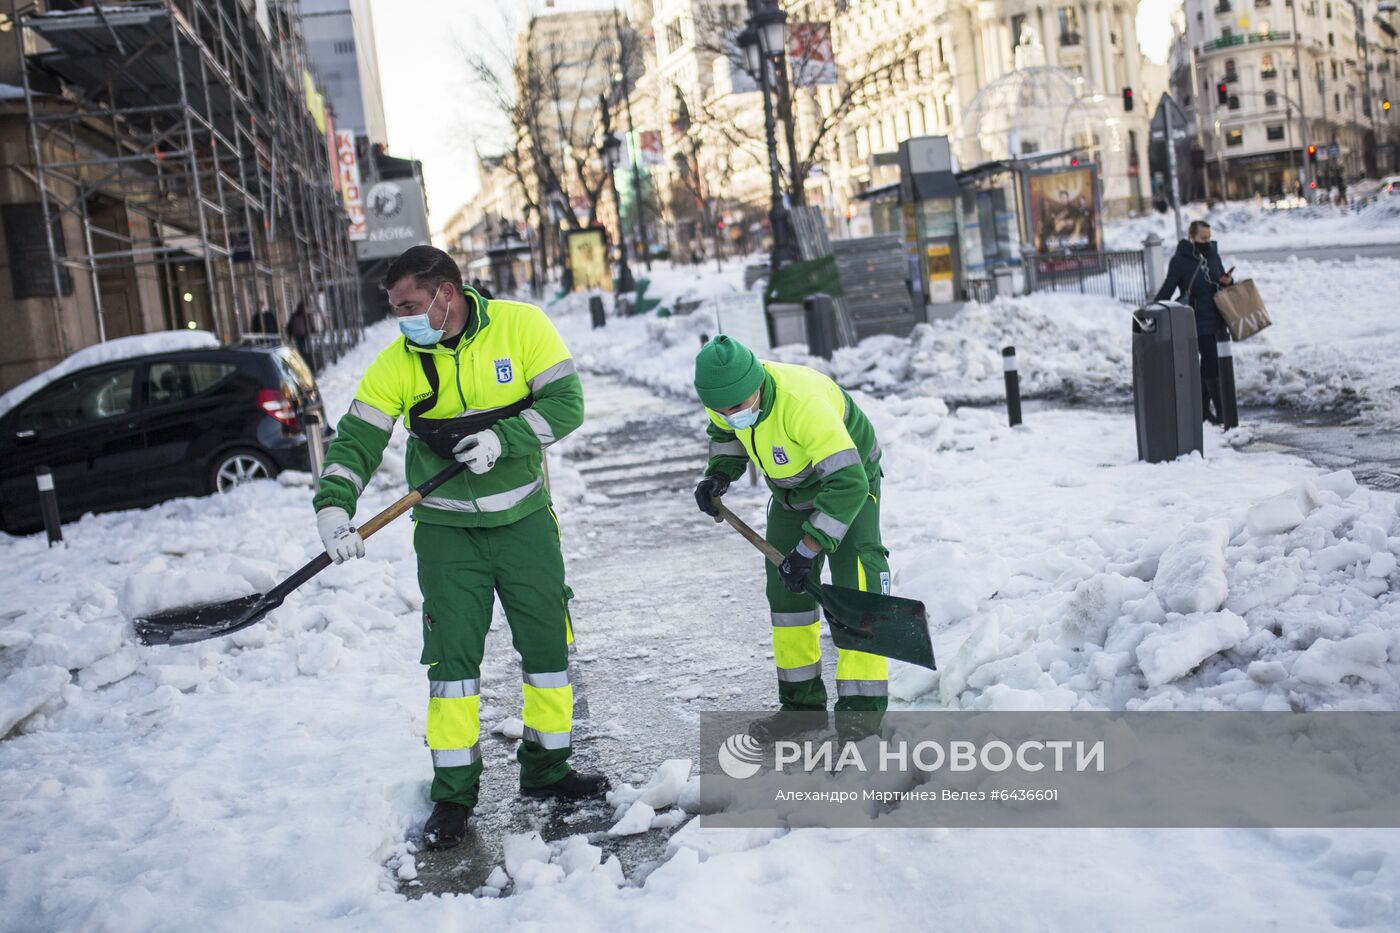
<point>712,486</point>
<point>795,569</point>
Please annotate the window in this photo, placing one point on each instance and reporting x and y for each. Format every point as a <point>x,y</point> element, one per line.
<point>674,38</point>
<point>1331,39</point>
<point>345,47</point>
<point>176,381</point>
<point>1334,71</point>
<point>1329,11</point>
<point>1234,102</point>
<point>1266,66</point>
<point>1337,103</point>
<point>1069,25</point>
<point>1271,98</point>
<point>1230,73</point>
<point>1018,26</point>
<point>1274,132</point>
<point>78,400</point>
<point>1234,138</point>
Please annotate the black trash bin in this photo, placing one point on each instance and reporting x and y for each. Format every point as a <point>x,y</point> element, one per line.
<point>595,310</point>
<point>1166,381</point>
<point>820,311</point>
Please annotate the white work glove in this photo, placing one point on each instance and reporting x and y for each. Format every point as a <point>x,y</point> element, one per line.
<point>478,451</point>
<point>341,539</point>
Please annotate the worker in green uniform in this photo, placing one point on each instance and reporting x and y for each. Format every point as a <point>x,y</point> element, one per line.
<point>490,384</point>
<point>819,454</point>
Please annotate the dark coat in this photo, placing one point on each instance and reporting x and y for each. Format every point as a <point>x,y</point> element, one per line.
<point>1196,272</point>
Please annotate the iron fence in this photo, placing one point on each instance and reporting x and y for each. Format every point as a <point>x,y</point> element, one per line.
<point>1118,274</point>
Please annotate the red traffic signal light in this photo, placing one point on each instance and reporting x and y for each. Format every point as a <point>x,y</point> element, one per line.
<point>1074,160</point>
<point>1312,150</point>
<point>1127,98</point>
<point>1222,93</point>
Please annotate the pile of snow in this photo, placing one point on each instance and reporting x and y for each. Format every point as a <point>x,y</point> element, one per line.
<point>1246,225</point>
<point>122,348</point>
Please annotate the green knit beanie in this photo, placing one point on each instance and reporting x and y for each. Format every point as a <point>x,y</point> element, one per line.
<point>726,373</point>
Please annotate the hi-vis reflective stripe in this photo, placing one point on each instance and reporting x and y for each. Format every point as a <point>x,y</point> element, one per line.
<point>549,740</point>
<point>828,525</point>
<point>453,689</point>
<point>553,374</point>
<point>546,681</point>
<point>790,619</point>
<point>874,453</point>
<point>499,502</point>
<point>345,473</point>
<point>862,688</point>
<point>454,757</point>
<point>791,482</point>
<point>371,415</point>
<point>539,425</point>
<point>727,449</point>
<point>837,461</point>
<point>798,674</point>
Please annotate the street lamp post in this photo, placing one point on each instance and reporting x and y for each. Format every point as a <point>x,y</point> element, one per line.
<point>612,155</point>
<point>751,45</point>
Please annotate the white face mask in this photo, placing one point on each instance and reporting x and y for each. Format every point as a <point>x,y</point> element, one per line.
<point>744,418</point>
<point>418,328</point>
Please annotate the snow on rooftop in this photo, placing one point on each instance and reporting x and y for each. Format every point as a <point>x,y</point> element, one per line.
<point>122,348</point>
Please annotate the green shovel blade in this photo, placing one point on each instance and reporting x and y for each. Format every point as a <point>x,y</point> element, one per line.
<point>878,624</point>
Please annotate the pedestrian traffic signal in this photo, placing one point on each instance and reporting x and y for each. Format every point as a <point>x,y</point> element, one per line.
<point>1222,94</point>
<point>1127,98</point>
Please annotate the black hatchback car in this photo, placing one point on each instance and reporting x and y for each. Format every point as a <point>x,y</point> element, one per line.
<point>138,431</point>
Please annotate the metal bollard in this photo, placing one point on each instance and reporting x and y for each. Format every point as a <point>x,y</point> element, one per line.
<point>315,446</point>
<point>595,308</point>
<point>1013,385</point>
<point>48,504</point>
<point>1229,414</point>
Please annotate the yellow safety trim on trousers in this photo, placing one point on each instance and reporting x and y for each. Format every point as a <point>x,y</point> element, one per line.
<point>797,646</point>
<point>548,709</point>
<point>454,722</point>
<point>859,673</point>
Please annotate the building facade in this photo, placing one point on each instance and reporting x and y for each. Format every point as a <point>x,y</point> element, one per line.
<point>340,43</point>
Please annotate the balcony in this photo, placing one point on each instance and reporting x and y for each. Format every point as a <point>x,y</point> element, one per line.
<point>1069,38</point>
<point>1270,73</point>
<point>1223,6</point>
<point>1243,40</point>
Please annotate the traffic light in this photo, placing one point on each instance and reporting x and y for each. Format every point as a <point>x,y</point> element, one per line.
<point>1312,152</point>
<point>1074,160</point>
<point>1127,98</point>
<point>1385,105</point>
<point>1222,94</point>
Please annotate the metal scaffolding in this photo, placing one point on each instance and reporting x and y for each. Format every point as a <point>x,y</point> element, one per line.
<point>194,117</point>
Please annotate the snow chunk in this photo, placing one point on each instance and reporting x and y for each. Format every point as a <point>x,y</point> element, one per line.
<point>23,692</point>
<point>1191,574</point>
<point>511,728</point>
<point>522,848</point>
<point>1183,643</point>
<point>1326,662</point>
<point>980,647</point>
<point>1341,556</point>
<point>537,875</point>
<point>1095,605</point>
<point>147,593</point>
<point>666,784</point>
<point>636,820</point>
<point>1382,565</point>
<point>1342,482</point>
<point>1274,516</point>
<point>578,856</point>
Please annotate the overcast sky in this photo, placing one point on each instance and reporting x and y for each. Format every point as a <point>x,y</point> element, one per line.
<point>428,101</point>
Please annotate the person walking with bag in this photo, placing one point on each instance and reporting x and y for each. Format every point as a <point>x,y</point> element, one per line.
<point>1198,273</point>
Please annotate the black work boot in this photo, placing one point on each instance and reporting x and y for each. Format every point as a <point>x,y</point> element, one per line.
<point>447,826</point>
<point>572,786</point>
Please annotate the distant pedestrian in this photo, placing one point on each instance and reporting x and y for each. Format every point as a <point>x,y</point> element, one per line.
<point>1197,271</point>
<point>265,322</point>
<point>299,331</point>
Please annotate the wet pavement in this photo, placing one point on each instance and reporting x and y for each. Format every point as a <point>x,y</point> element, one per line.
<point>1331,440</point>
<point>669,618</point>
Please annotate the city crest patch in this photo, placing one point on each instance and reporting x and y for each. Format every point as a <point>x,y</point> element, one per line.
<point>780,456</point>
<point>505,372</point>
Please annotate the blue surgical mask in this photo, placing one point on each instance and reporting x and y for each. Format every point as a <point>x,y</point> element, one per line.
<point>746,418</point>
<point>419,329</point>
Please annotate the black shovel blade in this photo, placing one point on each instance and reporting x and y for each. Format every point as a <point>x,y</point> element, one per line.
<point>878,624</point>
<point>197,623</point>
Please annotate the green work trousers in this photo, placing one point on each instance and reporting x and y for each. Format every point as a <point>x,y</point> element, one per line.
<point>461,571</point>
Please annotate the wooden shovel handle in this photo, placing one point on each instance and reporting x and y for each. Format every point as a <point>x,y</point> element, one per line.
<point>415,496</point>
<point>757,540</point>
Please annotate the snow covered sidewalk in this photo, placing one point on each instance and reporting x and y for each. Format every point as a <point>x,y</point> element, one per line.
<point>268,780</point>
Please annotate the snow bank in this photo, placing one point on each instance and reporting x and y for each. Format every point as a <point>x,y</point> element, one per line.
<point>1249,226</point>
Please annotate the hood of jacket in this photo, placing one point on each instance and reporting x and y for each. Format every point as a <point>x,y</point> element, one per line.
<point>1187,250</point>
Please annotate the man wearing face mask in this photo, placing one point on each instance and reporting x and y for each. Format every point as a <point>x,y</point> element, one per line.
<point>491,384</point>
<point>1198,272</point>
<point>819,454</point>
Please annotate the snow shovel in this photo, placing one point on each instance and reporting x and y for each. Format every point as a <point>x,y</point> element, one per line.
<point>871,622</point>
<point>212,620</point>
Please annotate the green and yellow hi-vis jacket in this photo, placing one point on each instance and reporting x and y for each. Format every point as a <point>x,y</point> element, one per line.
<point>814,445</point>
<point>509,357</point>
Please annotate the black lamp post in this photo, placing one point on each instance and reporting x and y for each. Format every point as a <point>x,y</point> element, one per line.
<point>612,156</point>
<point>767,29</point>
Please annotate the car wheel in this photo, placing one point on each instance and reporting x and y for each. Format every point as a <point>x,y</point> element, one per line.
<point>239,466</point>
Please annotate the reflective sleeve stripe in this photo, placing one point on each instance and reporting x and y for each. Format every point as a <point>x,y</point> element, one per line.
<point>862,688</point>
<point>453,689</point>
<point>797,674</point>
<point>454,757</point>
<point>874,453</point>
<point>553,679</point>
<point>371,415</point>
<point>553,374</point>
<point>837,461</point>
<point>550,740</point>
<point>539,425</point>
<point>497,502</point>
<point>791,482</point>
<point>345,473</point>
<point>828,525</point>
<point>799,506</point>
<point>727,449</point>
<point>790,619</point>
